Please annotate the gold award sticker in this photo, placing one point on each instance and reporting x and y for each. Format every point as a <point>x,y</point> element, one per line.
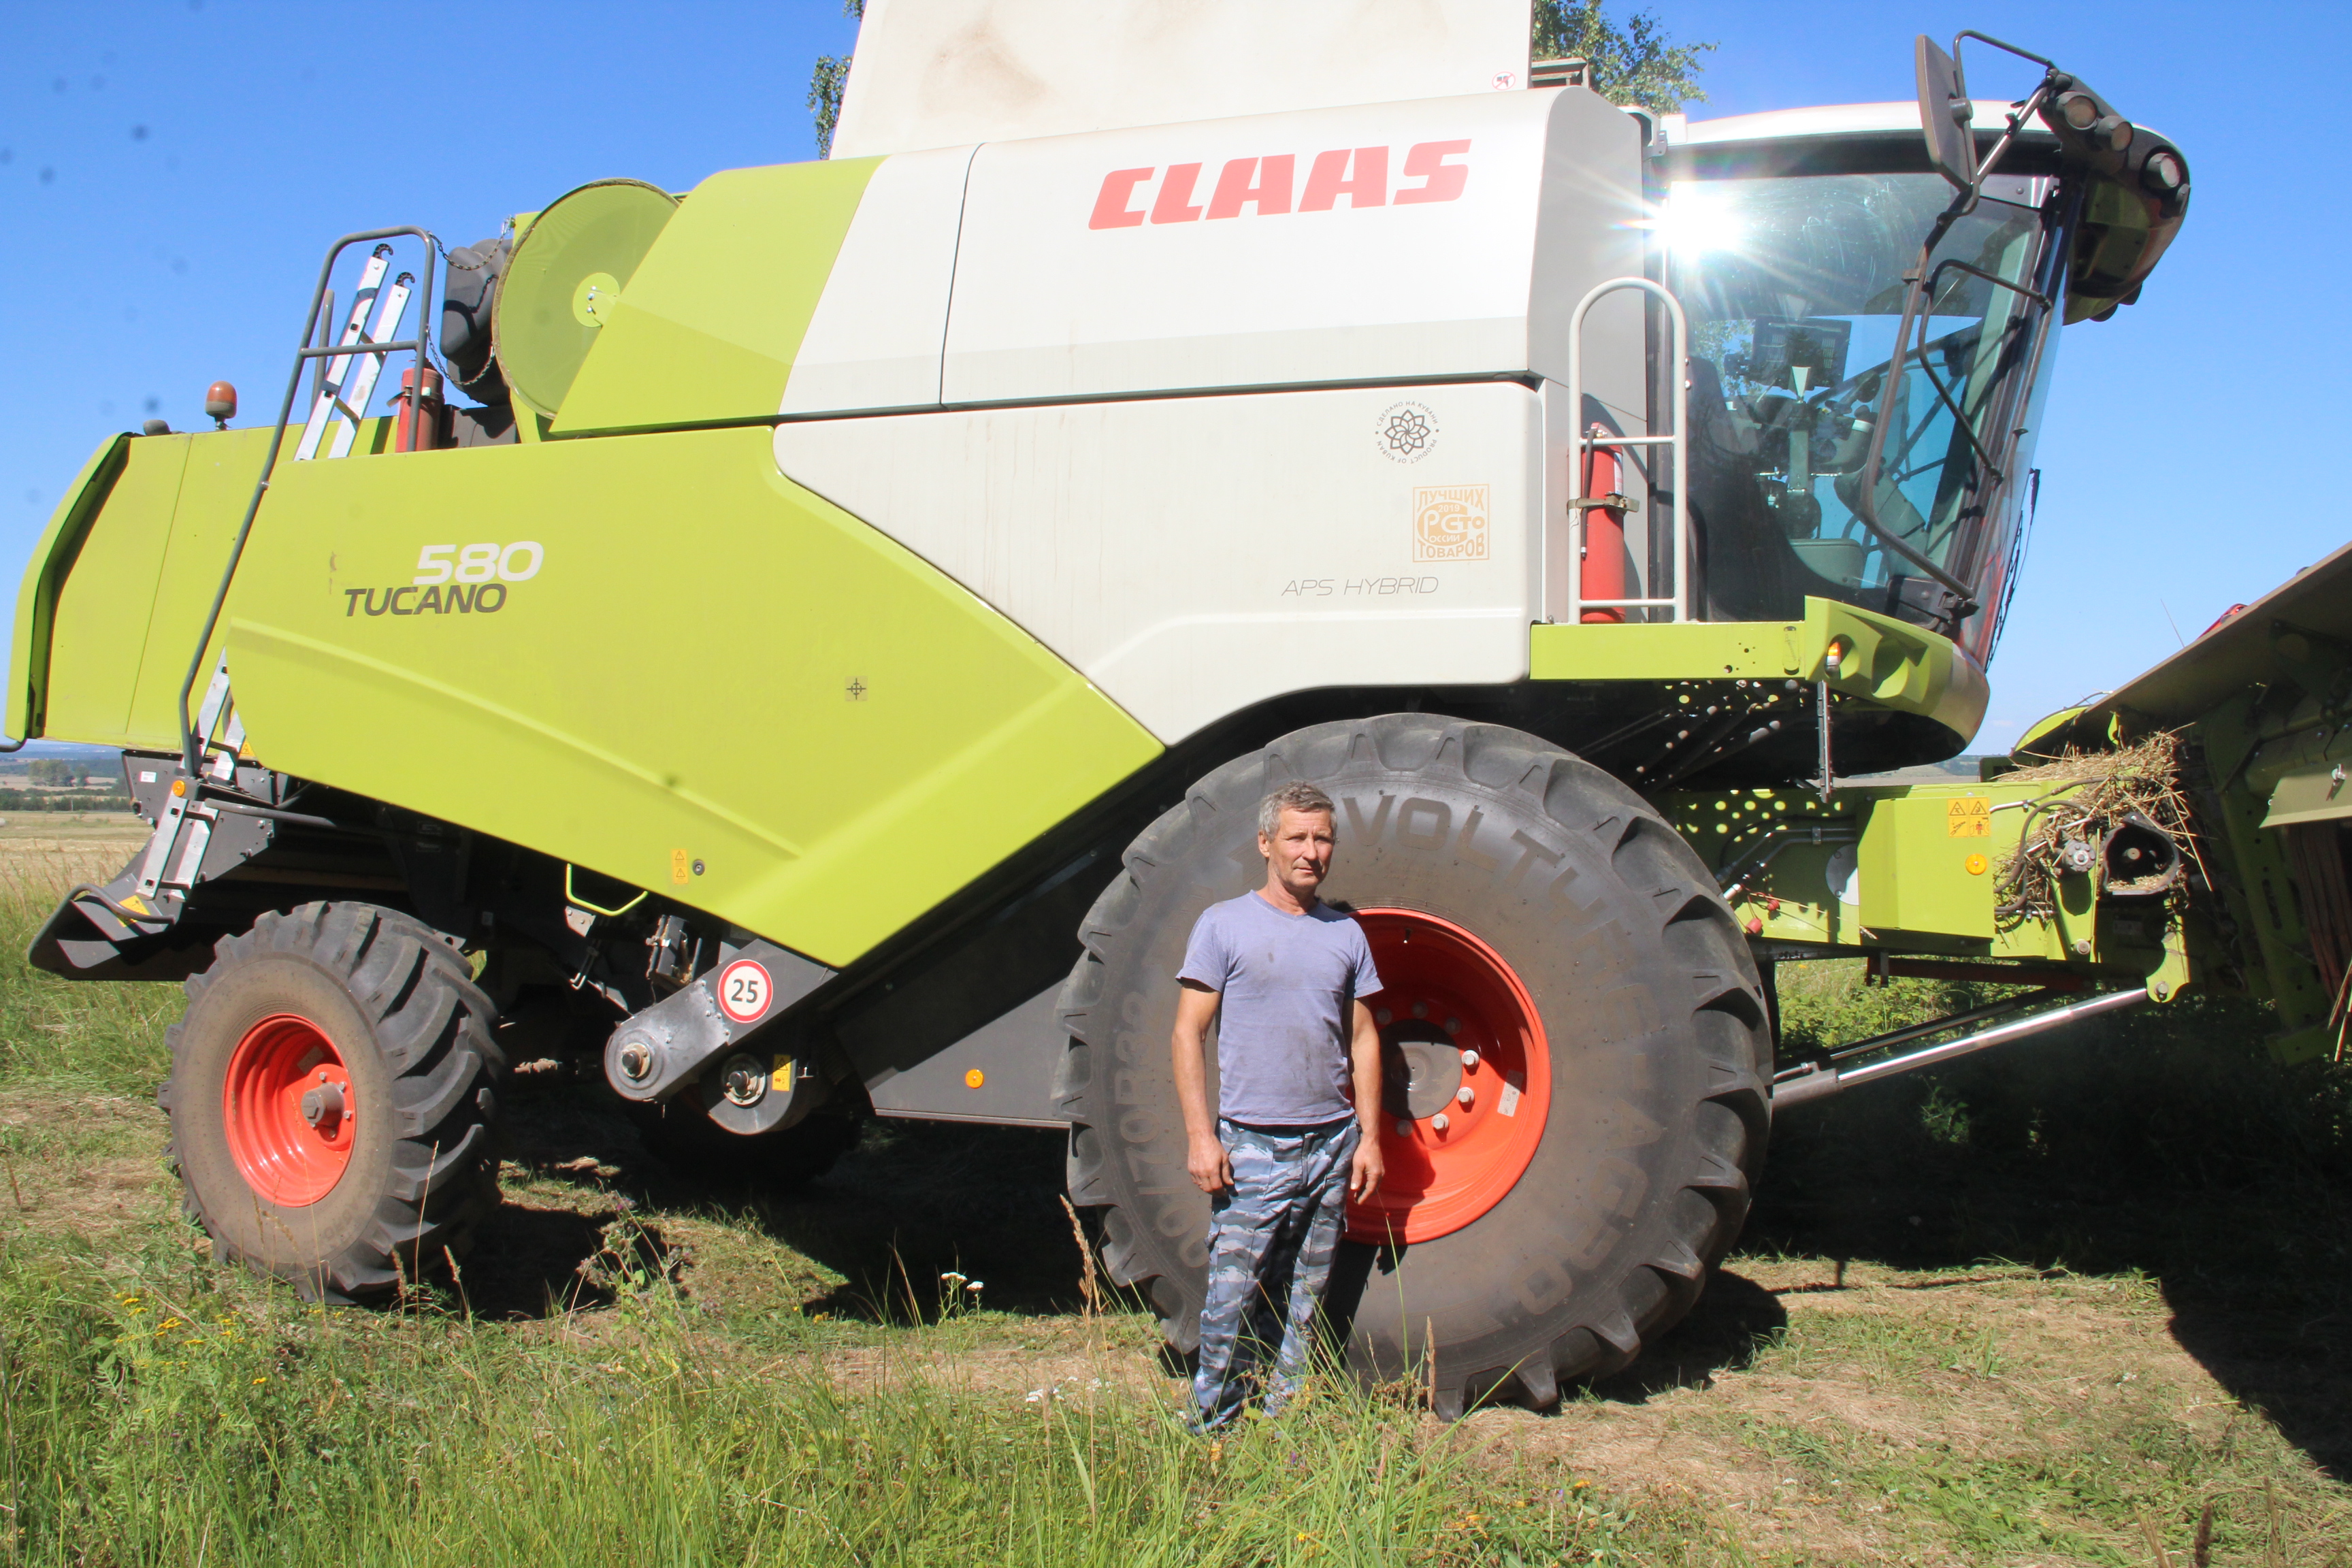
<point>1968,819</point>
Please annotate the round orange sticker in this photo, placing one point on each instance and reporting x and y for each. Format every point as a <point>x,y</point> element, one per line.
<point>975,1079</point>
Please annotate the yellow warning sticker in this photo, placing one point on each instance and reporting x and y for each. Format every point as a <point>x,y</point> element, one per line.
<point>678,867</point>
<point>1968,819</point>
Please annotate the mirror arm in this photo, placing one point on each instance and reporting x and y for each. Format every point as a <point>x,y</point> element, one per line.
<point>1866,497</point>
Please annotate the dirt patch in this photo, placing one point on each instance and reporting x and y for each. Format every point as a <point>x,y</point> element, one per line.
<point>78,1165</point>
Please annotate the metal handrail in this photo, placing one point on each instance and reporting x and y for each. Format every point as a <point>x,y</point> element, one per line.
<point>1678,527</point>
<point>192,744</point>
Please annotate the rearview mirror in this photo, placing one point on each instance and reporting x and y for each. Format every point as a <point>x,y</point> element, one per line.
<point>1946,116</point>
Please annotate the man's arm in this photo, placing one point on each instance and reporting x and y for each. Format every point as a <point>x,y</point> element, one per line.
<point>1204,1157</point>
<point>1365,1053</point>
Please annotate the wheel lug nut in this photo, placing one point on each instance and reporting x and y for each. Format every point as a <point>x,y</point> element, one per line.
<point>1470,1062</point>
<point>1421,1009</point>
<point>1439,1121</point>
<point>1404,1126</point>
<point>1453,1025</point>
<point>1464,1096</point>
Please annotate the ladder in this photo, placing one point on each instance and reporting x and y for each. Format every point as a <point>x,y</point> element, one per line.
<point>350,377</point>
<point>356,363</point>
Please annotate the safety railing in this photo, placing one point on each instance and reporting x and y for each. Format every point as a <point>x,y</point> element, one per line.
<point>1580,505</point>
<point>356,347</point>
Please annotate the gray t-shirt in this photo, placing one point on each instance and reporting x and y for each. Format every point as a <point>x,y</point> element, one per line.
<point>1288,983</point>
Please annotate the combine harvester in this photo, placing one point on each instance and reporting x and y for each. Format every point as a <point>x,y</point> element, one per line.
<point>844,647</point>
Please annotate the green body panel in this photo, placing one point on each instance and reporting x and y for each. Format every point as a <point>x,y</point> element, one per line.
<point>1884,662</point>
<point>98,636</point>
<point>2315,793</point>
<point>1912,868</point>
<point>708,327</point>
<point>1923,864</point>
<point>2263,702</point>
<point>705,663</point>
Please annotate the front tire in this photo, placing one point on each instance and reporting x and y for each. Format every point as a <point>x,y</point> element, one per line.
<point>332,1100</point>
<point>1571,937</point>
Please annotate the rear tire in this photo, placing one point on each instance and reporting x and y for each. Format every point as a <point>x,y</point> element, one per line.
<point>389,1176</point>
<point>1653,1034</point>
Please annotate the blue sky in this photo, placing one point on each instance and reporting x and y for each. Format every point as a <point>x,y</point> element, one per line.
<point>171,173</point>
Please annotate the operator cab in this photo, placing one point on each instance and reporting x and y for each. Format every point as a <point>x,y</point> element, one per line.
<point>1788,238</point>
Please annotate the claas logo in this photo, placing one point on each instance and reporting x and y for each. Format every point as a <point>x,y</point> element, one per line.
<point>1430,173</point>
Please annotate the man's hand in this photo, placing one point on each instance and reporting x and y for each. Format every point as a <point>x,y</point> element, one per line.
<point>1364,1175</point>
<point>1211,1168</point>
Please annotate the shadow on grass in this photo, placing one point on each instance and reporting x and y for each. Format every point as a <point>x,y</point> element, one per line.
<point>913,1201</point>
<point>2162,1141</point>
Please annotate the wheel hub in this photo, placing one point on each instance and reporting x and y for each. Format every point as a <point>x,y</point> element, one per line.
<point>1423,1074</point>
<point>289,1112</point>
<point>1467,1078</point>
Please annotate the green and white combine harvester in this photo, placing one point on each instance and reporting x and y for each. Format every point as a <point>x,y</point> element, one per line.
<point>844,645</point>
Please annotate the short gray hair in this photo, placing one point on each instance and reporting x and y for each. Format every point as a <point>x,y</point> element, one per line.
<point>1293,796</point>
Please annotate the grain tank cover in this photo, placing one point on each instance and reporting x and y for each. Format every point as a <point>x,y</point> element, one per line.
<point>947,73</point>
<point>567,274</point>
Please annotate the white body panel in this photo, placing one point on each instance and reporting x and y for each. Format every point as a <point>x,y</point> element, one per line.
<point>1388,243</point>
<point>1192,556</point>
<point>1105,265</point>
<point>874,340</point>
<point>940,73</point>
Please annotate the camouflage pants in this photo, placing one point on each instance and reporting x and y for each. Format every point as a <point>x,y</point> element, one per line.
<point>1272,1238</point>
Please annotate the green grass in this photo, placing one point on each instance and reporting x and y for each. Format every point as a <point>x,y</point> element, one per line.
<point>2028,1310</point>
<point>181,1416</point>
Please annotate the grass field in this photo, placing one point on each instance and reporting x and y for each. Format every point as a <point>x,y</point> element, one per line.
<point>2087,1301</point>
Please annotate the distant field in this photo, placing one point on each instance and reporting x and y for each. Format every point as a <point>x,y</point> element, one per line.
<point>2068,1306</point>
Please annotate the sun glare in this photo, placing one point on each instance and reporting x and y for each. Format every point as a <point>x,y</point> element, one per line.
<point>1698,217</point>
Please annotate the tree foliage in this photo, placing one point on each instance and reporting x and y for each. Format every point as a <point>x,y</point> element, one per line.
<point>832,74</point>
<point>1632,64</point>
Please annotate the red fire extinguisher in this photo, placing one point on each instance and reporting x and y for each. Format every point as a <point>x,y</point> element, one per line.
<point>416,420</point>
<point>1602,572</point>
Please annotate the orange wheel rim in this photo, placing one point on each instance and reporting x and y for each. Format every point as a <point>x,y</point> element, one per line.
<point>1459,1129</point>
<point>288,1110</point>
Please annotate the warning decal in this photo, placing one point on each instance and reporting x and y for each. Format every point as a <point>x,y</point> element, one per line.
<point>1968,819</point>
<point>744,991</point>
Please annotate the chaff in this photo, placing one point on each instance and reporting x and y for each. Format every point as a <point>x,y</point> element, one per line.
<point>2092,794</point>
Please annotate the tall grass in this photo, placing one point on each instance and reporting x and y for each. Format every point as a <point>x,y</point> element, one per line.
<point>171,1415</point>
<point>105,1037</point>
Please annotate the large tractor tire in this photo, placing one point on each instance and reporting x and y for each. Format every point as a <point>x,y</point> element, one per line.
<point>1577,1044</point>
<point>332,1097</point>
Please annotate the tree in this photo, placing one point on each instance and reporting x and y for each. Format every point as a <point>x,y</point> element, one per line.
<point>832,74</point>
<point>1630,65</point>
<point>1633,64</point>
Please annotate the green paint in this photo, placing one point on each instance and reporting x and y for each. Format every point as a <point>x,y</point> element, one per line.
<point>1880,867</point>
<point>1883,662</point>
<point>707,658</point>
<point>1915,859</point>
<point>708,326</point>
<point>2319,792</point>
<point>46,576</point>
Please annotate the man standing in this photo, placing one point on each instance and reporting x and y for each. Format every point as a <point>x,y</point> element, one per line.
<point>1287,1146</point>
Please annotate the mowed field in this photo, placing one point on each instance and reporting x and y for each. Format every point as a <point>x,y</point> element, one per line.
<point>2088,1301</point>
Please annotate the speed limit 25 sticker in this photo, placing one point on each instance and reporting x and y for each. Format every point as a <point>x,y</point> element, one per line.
<point>468,579</point>
<point>745,990</point>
